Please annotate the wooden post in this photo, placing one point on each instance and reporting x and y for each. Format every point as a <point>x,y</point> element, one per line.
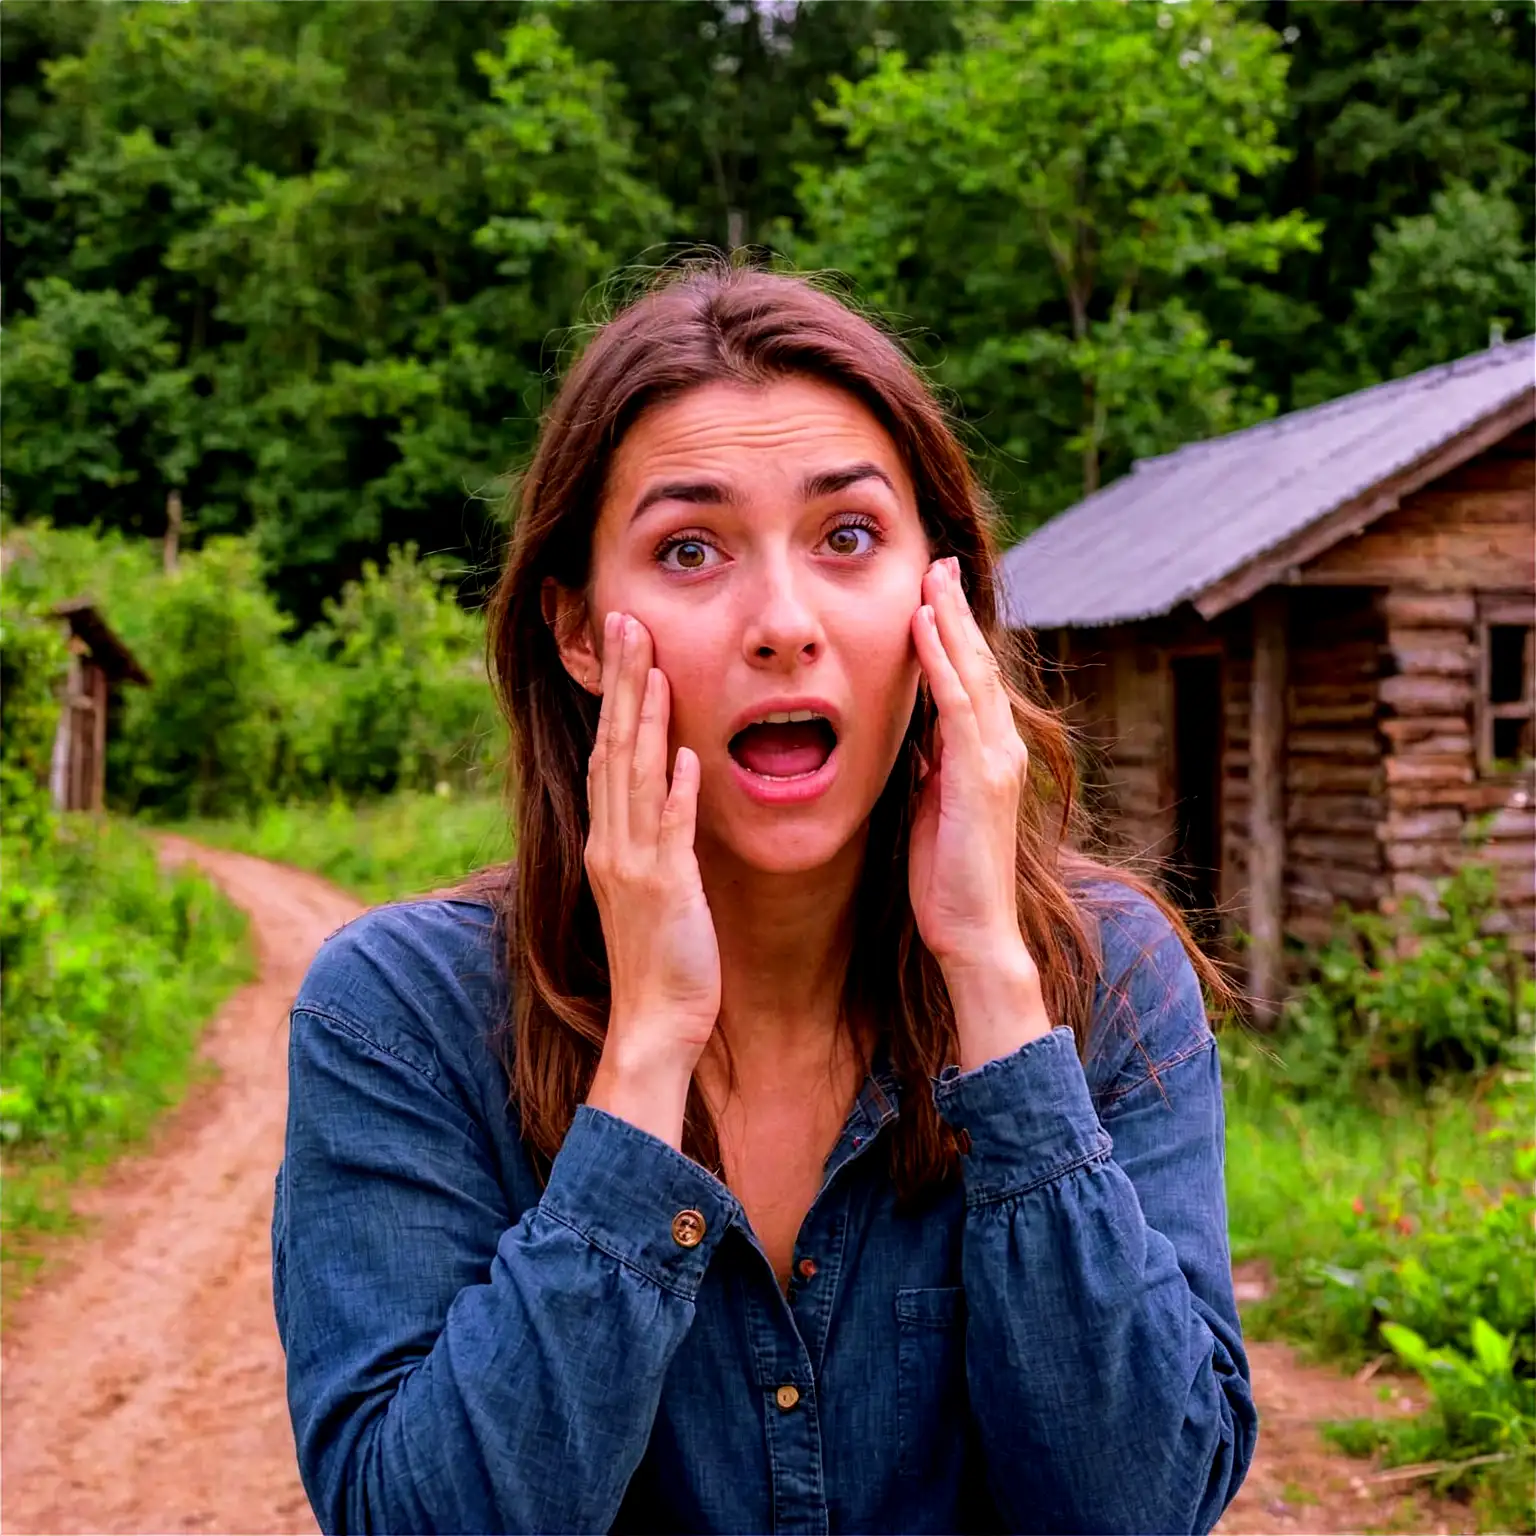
<point>172,530</point>
<point>1266,788</point>
<point>98,786</point>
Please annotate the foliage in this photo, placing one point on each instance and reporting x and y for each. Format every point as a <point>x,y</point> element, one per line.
<point>1390,105</point>
<point>1412,1209</point>
<point>1443,282</point>
<point>341,234</point>
<point>32,667</point>
<point>397,669</point>
<point>1042,197</point>
<point>1416,995</point>
<point>387,692</point>
<point>404,846</point>
<point>1480,1432</point>
<point>108,966</point>
<point>312,265</point>
<point>1391,1213</point>
<point>203,737</point>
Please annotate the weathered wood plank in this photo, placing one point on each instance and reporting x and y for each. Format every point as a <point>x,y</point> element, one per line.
<point>1266,787</point>
<point>1446,768</point>
<point>1414,826</point>
<point>1337,850</point>
<point>1406,729</point>
<point>1347,744</point>
<point>1435,660</point>
<point>1311,776</point>
<point>1413,695</point>
<point>1407,606</point>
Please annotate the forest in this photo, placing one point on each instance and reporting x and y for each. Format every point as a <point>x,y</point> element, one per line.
<point>315,266</point>
<point>286,289</point>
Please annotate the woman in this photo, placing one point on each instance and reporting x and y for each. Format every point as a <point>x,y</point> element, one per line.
<point>799,1138</point>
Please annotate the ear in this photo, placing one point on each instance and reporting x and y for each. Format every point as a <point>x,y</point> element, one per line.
<point>565,611</point>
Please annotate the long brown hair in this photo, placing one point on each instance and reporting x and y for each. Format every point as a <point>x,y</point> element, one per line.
<point>698,324</point>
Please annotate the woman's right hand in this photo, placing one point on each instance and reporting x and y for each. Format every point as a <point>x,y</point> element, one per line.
<point>663,958</point>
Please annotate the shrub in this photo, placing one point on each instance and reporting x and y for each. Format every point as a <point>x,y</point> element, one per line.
<point>1479,1436</point>
<point>400,666</point>
<point>1413,996</point>
<point>203,738</point>
<point>387,693</point>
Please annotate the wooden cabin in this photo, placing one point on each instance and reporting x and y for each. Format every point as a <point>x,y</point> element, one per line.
<point>98,663</point>
<point>1302,655</point>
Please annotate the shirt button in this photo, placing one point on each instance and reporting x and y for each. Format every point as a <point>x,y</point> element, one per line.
<point>786,1397</point>
<point>688,1229</point>
<point>807,1268</point>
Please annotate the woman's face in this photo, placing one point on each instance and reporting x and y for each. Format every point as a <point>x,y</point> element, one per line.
<point>769,540</point>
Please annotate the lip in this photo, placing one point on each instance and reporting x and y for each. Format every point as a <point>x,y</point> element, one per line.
<point>806,786</point>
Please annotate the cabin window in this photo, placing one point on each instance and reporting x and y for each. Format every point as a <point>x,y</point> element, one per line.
<point>1507,695</point>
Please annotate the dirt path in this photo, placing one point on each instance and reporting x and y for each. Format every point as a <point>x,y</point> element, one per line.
<point>142,1387</point>
<point>1298,1486</point>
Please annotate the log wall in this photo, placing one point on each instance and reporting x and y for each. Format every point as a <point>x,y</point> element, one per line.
<point>1447,550</point>
<point>1335,781</point>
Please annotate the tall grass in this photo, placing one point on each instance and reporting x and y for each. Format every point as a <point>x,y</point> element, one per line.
<point>405,845</point>
<point>111,968</point>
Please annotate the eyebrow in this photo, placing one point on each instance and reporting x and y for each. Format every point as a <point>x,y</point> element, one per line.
<point>710,493</point>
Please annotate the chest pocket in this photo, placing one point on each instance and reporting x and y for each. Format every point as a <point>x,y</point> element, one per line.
<point>932,1408</point>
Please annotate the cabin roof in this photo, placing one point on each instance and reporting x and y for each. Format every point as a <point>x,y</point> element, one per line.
<point>107,651</point>
<point>1215,521</point>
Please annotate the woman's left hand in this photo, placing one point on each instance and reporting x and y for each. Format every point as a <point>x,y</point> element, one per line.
<point>961,861</point>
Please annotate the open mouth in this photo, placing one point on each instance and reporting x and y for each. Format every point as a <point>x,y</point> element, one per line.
<point>789,745</point>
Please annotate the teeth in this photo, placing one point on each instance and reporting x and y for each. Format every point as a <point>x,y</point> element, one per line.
<point>788,717</point>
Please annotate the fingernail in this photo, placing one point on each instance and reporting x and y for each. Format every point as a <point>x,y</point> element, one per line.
<point>927,613</point>
<point>954,565</point>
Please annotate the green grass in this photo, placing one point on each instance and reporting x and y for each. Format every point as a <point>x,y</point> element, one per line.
<point>1393,1207</point>
<point>112,967</point>
<point>402,846</point>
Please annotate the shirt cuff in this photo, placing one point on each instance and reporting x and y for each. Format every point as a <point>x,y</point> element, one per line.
<point>639,1200</point>
<point>1028,1118</point>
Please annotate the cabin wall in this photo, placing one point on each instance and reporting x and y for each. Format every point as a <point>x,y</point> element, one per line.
<point>1335,778</point>
<point>1454,553</point>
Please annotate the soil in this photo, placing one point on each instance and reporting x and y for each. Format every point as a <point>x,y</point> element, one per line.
<point>142,1386</point>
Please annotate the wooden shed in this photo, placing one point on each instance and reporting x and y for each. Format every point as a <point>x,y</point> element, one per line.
<point>1302,654</point>
<point>98,663</point>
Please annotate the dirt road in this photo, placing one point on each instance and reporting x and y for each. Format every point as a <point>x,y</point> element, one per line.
<point>142,1385</point>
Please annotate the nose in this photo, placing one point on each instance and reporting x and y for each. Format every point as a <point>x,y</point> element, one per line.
<point>783,630</point>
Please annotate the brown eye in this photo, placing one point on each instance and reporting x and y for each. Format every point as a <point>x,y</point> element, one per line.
<point>850,539</point>
<point>690,554</point>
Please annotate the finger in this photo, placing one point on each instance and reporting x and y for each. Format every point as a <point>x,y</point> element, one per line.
<point>634,665</point>
<point>597,765</point>
<point>679,816</point>
<point>648,775</point>
<point>956,713</point>
<point>968,649</point>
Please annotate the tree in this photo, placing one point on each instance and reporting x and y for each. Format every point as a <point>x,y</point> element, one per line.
<point>340,241</point>
<point>1042,198</point>
<point>1390,105</point>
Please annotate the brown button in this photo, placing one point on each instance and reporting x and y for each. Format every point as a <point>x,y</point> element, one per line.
<point>807,1268</point>
<point>786,1397</point>
<point>688,1229</point>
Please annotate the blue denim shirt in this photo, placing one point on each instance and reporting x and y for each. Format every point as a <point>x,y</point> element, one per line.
<point>1052,1346</point>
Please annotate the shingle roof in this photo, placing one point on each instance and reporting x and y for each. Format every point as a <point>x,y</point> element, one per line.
<point>1179,523</point>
